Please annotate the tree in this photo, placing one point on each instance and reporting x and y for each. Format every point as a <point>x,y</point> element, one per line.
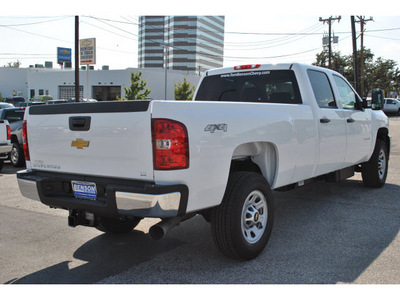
<point>184,90</point>
<point>15,64</point>
<point>379,73</point>
<point>382,75</point>
<point>137,90</point>
<point>338,62</point>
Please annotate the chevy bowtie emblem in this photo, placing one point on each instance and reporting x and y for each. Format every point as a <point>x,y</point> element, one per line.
<point>80,144</point>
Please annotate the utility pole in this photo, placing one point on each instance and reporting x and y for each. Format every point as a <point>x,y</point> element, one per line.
<point>77,59</point>
<point>362,22</point>
<point>355,61</point>
<point>329,21</point>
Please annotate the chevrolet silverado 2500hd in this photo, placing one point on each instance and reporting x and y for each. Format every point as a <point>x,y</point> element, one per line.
<point>5,141</point>
<point>250,129</point>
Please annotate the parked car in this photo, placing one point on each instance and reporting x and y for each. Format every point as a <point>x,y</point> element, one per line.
<point>29,103</point>
<point>5,105</point>
<point>5,143</point>
<point>392,106</point>
<point>15,116</point>
<point>56,102</point>
<point>15,100</point>
<point>42,98</point>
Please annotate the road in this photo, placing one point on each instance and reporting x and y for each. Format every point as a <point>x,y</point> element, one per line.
<point>328,233</point>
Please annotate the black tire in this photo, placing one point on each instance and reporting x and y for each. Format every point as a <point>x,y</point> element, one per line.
<point>374,172</point>
<point>117,226</point>
<point>17,155</point>
<point>242,224</point>
<point>1,164</point>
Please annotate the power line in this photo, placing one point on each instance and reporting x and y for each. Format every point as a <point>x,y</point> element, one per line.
<point>34,23</point>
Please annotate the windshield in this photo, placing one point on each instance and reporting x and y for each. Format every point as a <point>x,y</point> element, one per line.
<point>278,86</point>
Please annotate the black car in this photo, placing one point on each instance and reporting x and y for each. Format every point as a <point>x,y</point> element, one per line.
<point>15,117</point>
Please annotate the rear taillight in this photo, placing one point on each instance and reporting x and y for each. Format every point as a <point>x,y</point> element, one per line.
<point>246,67</point>
<point>8,132</point>
<point>170,145</point>
<point>25,140</point>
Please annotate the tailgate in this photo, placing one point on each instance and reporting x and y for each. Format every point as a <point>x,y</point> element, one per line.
<point>109,139</point>
<point>3,132</point>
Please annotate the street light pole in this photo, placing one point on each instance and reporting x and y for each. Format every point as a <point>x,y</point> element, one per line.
<point>76,58</point>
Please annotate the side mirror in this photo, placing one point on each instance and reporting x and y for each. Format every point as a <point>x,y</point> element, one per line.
<point>378,100</point>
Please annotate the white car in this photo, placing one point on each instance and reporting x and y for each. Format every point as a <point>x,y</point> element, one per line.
<point>392,106</point>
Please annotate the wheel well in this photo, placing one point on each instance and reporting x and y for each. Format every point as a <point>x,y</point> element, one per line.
<point>14,139</point>
<point>258,157</point>
<point>383,134</point>
<point>245,164</point>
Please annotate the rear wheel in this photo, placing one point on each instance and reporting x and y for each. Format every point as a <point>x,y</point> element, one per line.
<point>374,172</point>
<point>117,226</point>
<point>1,164</point>
<point>17,155</point>
<point>242,224</point>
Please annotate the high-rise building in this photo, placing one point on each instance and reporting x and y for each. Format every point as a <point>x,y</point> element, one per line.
<point>188,43</point>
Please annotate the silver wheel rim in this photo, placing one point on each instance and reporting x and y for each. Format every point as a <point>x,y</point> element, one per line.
<point>14,155</point>
<point>254,217</point>
<point>381,164</point>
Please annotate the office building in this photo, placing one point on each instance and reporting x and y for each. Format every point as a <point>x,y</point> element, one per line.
<point>192,44</point>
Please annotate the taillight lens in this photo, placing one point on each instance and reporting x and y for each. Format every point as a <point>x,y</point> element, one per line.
<point>247,67</point>
<point>25,140</point>
<point>170,145</point>
<point>8,132</point>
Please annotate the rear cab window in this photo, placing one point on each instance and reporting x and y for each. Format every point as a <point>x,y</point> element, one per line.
<point>275,86</point>
<point>322,89</point>
<point>14,115</point>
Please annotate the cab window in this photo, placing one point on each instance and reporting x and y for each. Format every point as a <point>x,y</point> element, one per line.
<point>322,89</point>
<point>348,97</point>
<point>274,86</point>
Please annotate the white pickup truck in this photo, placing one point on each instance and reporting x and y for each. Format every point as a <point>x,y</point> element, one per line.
<point>251,129</point>
<point>5,141</point>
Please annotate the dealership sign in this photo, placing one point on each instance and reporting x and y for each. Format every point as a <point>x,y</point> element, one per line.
<point>88,51</point>
<point>63,55</point>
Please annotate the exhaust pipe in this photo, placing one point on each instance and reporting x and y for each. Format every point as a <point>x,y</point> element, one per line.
<point>159,230</point>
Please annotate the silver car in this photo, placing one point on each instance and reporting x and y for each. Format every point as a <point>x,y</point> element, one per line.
<point>392,106</point>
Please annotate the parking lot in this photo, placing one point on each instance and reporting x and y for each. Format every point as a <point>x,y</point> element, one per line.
<point>324,233</point>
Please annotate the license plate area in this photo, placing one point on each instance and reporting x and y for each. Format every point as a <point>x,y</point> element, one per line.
<point>84,190</point>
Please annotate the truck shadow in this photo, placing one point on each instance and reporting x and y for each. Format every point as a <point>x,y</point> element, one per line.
<point>323,233</point>
<point>102,256</point>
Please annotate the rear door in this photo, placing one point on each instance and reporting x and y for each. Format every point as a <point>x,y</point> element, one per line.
<point>109,139</point>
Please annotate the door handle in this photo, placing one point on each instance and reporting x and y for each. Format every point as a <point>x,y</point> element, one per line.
<point>324,120</point>
<point>350,120</point>
<point>79,123</point>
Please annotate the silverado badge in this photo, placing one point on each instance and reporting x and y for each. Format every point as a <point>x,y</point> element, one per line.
<point>80,143</point>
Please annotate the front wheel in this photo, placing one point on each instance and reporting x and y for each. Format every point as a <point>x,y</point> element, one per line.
<point>242,224</point>
<point>374,172</point>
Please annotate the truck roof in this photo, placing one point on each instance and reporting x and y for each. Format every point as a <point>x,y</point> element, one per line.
<point>258,67</point>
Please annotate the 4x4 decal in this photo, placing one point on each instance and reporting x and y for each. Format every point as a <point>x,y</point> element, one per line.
<point>213,127</point>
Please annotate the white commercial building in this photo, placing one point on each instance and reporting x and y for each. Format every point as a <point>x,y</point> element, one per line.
<point>102,85</point>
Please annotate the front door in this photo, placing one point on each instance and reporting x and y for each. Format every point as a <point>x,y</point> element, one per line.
<point>358,123</point>
<point>331,125</point>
